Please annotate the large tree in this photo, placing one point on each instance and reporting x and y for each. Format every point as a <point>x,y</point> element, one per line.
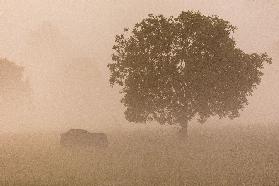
<point>173,69</point>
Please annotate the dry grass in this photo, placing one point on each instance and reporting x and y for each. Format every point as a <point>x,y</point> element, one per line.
<point>218,156</point>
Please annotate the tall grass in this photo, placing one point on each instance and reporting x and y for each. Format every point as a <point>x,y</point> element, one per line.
<point>231,155</point>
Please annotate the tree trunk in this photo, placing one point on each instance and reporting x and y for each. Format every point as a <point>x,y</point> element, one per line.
<point>183,132</point>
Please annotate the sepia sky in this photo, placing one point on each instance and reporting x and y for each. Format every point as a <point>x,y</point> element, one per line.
<point>87,29</point>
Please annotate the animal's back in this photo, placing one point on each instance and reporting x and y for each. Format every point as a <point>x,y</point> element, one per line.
<point>80,137</point>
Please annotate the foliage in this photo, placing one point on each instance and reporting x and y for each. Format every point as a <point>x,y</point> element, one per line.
<point>13,87</point>
<point>172,69</point>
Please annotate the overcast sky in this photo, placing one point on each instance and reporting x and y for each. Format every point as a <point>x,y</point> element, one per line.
<point>90,26</point>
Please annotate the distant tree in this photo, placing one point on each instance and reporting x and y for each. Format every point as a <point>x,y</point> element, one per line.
<point>173,69</point>
<point>81,90</point>
<point>14,89</point>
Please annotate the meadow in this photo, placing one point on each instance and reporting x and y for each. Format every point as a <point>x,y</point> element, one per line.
<point>213,155</point>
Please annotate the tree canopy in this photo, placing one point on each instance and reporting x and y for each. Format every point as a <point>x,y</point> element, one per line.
<point>172,69</point>
<point>13,87</point>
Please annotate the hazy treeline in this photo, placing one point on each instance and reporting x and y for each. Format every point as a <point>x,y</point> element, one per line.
<point>67,89</point>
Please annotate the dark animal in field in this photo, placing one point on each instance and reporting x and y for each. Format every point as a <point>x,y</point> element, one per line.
<point>83,138</point>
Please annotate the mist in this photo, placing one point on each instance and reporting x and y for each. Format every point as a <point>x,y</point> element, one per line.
<point>72,130</point>
<point>65,46</point>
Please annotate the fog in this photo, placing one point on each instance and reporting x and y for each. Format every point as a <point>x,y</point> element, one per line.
<point>65,46</point>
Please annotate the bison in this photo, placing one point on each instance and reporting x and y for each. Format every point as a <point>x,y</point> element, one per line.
<point>83,138</point>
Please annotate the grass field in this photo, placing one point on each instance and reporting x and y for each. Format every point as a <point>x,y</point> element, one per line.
<point>227,155</point>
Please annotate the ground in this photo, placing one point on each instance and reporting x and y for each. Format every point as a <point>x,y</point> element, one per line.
<point>226,155</point>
